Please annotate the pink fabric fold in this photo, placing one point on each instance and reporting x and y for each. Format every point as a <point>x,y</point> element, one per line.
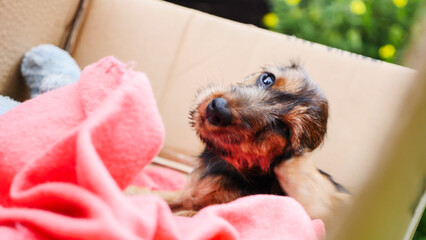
<point>66,156</point>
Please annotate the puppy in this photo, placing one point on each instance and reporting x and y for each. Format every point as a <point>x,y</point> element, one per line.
<point>256,134</point>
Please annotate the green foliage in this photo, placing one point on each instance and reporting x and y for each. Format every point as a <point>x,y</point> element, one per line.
<point>376,28</point>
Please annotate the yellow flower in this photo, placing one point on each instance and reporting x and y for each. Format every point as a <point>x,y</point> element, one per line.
<point>270,20</point>
<point>358,7</point>
<point>387,51</point>
<point>292,2</point>
<point>400,3</point>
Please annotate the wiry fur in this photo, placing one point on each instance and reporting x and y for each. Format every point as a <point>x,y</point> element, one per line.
<point>261,150</point>
<point>285,120</point>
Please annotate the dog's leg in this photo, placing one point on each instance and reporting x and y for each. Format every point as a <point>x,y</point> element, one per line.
<point>315,190</point>
<point>184,202</point>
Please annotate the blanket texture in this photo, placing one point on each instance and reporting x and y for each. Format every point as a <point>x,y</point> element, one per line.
<point>66,156</point>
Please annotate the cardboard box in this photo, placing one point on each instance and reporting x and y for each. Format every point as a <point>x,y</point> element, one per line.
<point>182,49</point>
<point>24,25</point>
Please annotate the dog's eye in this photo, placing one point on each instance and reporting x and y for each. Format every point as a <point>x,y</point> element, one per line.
<point>266,80</point>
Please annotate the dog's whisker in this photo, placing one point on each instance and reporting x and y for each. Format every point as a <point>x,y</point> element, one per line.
<point>248,129</point>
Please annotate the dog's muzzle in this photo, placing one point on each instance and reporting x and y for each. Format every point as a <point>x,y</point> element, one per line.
<point>218,112</point>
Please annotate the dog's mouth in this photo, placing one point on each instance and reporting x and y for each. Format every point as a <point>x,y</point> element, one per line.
<point>231,115</point>
<point>239,130</point>
<point>215,122</point>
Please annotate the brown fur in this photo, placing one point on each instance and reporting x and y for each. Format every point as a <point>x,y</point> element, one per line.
<point>261,149</point>
<point>255,109</point>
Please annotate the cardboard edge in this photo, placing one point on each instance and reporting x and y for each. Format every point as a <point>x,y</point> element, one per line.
<point>76,25</point>
<point>79,21</point>
<point>324,48</point>
<point>416,218</point>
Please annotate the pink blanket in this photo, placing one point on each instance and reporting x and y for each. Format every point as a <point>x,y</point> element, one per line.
<point>66,156</point>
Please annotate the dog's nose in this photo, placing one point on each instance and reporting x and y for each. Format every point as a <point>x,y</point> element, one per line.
<point>218,112</point>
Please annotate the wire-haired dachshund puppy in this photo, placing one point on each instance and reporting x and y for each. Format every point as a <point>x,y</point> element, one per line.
<point>256,134</point>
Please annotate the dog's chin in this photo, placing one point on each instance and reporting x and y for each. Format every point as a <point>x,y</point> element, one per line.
<point>216,138</point>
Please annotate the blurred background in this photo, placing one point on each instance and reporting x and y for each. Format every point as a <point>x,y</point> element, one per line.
<point>379,29</point>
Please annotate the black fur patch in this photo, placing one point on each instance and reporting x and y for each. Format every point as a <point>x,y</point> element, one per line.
<point>247,183</point>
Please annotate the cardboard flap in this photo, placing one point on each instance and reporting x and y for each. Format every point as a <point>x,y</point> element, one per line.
<point>144,32</point>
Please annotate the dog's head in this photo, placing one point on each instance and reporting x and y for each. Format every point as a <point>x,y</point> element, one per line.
<point>271,116</point>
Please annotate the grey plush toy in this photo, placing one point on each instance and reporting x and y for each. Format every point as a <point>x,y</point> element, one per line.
<point>44,68</point>
<point>7,103</point>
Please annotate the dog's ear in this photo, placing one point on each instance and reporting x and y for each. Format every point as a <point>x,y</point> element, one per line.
<point>307,125</point>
